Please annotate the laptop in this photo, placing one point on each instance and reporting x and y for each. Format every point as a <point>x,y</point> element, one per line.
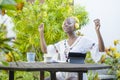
<point>76,58</point>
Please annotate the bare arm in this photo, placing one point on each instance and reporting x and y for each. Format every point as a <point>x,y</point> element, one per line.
<point>100,40</point>
<point>42,39</point>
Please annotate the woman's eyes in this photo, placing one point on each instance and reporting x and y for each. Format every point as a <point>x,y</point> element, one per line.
<point>68,23</point>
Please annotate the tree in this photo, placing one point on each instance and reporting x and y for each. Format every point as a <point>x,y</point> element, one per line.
<point>52,13</point>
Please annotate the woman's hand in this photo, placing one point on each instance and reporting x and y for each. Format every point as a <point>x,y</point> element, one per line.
<point>41,27</point>
<point>97,24</point>
<point>100,40</point>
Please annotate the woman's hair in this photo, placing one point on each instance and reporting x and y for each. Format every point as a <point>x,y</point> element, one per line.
<point>76,22</point>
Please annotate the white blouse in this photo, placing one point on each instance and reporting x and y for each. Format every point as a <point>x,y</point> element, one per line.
<point>81,45</point>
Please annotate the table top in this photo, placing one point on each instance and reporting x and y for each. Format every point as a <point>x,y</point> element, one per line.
<point>41,66</point>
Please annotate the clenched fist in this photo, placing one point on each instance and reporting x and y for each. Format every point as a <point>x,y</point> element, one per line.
<point>97,24</point>
<point>41,27</point>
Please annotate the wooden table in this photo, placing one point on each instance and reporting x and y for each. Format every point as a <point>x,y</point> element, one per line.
<point>51,67</point>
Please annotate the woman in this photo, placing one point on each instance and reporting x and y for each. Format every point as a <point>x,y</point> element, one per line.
<point>74,43</point>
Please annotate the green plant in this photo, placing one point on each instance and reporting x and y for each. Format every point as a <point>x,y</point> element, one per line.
<point>52,13</point>
<point>88,58</point>
<point>3,40</point>
<point>10,4</point>
<point>4,46</point>
<point>7,4</point>
<point>91,75</point>
<point>7,52</point>
<point>112,58</point>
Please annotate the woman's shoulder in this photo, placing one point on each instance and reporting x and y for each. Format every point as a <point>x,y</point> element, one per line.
<point>83,37</point>
<point>87,39</point>
<point>61,42</point>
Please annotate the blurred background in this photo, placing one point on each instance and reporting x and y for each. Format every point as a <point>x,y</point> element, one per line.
<point>108,12</point>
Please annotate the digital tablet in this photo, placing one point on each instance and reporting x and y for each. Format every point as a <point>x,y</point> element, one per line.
<point>75,57</point>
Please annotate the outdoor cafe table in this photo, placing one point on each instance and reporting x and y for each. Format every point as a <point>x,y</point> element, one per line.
<point>51,67</point>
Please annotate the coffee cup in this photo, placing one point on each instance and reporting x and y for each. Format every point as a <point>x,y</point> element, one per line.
<point>47,58</point>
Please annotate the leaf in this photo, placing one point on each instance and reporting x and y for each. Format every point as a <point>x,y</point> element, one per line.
<point>8,7</point>
<point>1,1</point>
<point>5,63</point>
<point>18,1</point>
<point>4,2</point>
<point>96,77</point>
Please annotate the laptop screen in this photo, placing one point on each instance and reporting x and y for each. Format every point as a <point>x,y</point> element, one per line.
<point>76,54</point>
<point>76,58</point>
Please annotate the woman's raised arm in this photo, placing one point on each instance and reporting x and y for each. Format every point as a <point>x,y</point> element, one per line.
<point>42,39</point>
<point>100,40</point>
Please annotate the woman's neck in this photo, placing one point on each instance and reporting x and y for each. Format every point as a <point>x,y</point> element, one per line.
<point>71,39</point>
<point>72,36</point>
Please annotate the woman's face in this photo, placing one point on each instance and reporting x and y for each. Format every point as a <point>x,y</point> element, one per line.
<point>68,25</point>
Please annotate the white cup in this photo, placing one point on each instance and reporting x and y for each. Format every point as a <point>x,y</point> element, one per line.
<point>30,57</point>
<point>47,58</point>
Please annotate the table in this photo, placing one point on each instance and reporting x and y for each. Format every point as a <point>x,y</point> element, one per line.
<point>51,67</point>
